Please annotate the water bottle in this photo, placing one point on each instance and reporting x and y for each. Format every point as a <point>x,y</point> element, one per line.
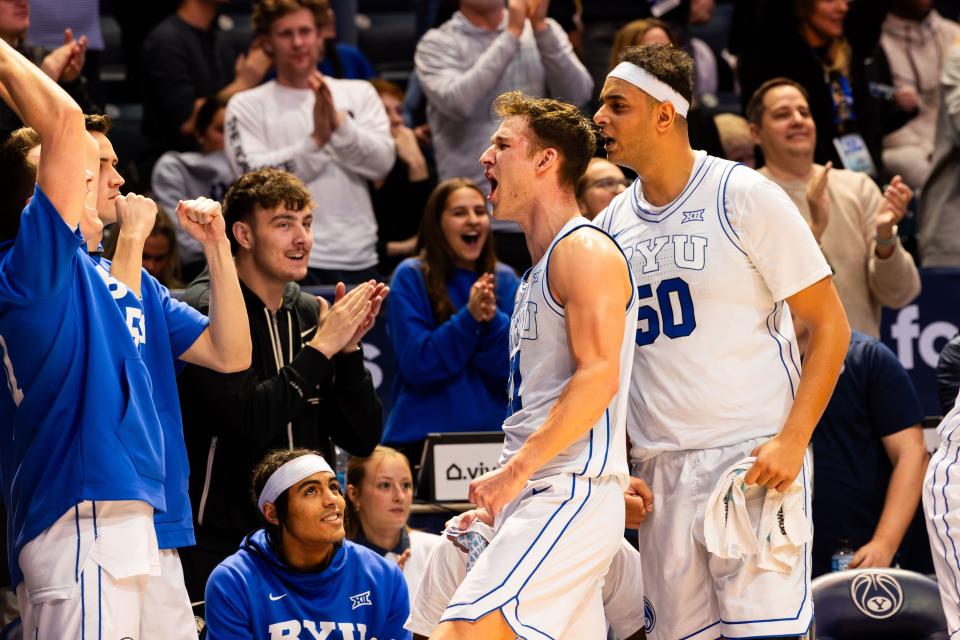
<point>842,557</point>
<point>340,468</point>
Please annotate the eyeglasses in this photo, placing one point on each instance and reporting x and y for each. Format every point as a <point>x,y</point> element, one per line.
<point>610,184</point>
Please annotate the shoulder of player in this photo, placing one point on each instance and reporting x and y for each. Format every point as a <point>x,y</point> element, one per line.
<point>588,254</point>
<point>233,572</point>
<point>586,241</point>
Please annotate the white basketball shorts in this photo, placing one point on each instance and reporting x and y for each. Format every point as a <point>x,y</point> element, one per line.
<point>546,563</point>
<point>446,568</point>
<point>693,595</point>
<point>86,575</point>
<point>168,614</point>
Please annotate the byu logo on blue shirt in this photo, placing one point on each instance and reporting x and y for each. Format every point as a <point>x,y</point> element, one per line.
<point>360,600</point>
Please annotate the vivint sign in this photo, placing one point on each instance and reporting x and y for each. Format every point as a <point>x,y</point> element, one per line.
<point>455,466</point>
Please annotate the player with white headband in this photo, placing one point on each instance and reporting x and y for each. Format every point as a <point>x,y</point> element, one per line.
<point>297,577</point>
<point>717,251</point>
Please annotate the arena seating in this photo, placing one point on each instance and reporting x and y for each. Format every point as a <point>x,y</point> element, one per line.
<point>878,604</point>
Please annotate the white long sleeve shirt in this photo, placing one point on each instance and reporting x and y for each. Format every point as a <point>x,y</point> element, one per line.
<point>272,126</point>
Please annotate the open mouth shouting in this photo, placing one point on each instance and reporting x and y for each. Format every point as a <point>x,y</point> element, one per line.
<point>493,185</point>
<point>471,238</point>
<point>608,142</point>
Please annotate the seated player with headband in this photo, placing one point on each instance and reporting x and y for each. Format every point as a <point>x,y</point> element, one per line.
<point>297,577</point>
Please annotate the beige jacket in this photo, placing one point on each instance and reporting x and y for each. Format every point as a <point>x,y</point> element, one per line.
<point>864,282</point>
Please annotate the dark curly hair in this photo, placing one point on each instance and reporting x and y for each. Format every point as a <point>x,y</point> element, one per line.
<point>672,66</point>
<point>261,473</point>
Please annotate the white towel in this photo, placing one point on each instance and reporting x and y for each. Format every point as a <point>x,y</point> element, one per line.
<point>726,524</point>
<point>783,530</point>
<point>779,536</point>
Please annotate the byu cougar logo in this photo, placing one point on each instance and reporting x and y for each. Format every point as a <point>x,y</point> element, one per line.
<point>877,595</point>
<point>649,616</point>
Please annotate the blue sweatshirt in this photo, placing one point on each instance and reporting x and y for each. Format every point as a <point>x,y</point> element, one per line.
<point>77,417</point>
<point>169,328</point>
<point>253,595</point>
<point>452,376</point>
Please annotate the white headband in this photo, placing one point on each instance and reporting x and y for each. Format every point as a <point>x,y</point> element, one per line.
<point>289,474</point>
<point>646,81</point>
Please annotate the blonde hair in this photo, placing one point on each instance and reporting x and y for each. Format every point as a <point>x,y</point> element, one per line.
<point>356,472</point>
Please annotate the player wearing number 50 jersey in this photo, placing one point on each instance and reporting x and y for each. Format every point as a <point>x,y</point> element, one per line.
<point>717,252</point>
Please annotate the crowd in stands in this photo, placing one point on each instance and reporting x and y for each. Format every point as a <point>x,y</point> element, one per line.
<point>339,170</point>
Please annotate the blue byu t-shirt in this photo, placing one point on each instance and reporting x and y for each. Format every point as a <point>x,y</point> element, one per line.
<point>253,594</point>
<point>167,329</point>
<point>77,418</point>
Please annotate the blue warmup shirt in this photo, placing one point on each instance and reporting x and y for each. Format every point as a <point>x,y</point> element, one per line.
<point>169,328</point>
<point>77,419</point>
<point>874,398</point>
<point>453,376</point>
<point>253,594</point>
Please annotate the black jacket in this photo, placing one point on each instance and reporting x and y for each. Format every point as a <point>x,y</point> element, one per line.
<point>948,375</point>
<point>230,421</point>
<point>776,48</point>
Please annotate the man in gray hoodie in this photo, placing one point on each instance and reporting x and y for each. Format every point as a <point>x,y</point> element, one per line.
<point>181,175</point>
<point>484,50</point>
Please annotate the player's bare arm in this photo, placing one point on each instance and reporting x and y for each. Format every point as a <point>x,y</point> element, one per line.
<point>54,115</point>
<point>225,345</point>
<point>136,215</point>
<point>818,307</point>
<point>589,277</point>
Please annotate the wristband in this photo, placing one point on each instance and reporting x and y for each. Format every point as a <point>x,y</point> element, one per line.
<point>887,242</point>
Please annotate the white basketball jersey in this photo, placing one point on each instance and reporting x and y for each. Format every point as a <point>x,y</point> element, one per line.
<point>716,360</point>
<point>541,366</point>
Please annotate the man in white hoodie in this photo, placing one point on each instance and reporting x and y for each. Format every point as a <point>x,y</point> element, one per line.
<point>332,134</point>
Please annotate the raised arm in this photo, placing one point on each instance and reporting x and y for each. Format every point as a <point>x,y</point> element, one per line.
<point>248,145</point>
<point>53,114</point>
<point>595,319</point>
<point>136,215</point>
<point>362,142</point>
<point>567,78</point>
<point>448,86</point>
<point>427,353</point>
<point>891,272</point>
<point>225,345</point>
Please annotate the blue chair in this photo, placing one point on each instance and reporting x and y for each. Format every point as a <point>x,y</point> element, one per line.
<point>879,604</point>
